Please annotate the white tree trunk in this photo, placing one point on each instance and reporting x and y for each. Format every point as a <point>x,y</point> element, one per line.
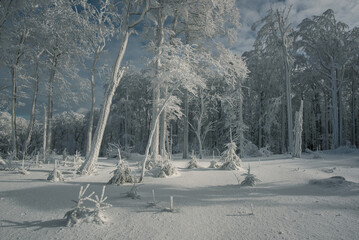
<point>13,112</point>
<point>283,124</point>
<point>50,103</point>
<point>298,129</point>
<point>33,108</point>
<point>241,122</point>
<point>44,135</point>
<point>163,127</point>
<point>150,137</point>
<point>93,102</point>
<point>89,165</point>
<point>185,128</point>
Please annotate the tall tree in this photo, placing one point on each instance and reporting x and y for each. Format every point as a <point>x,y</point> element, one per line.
<point>275,37</point>
<point>132,14</point>
<point>324,40</point>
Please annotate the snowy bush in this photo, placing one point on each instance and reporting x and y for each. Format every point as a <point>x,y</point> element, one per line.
<point>84,214</point>
<point>265,152</point>
<point>214,164</point>
<point>229,157</point>
<point>133,192</point>
<point>55,175</point>
<point>251,150</point>
<point>115,150</point>
<point>194,162</point>
<point>250,179</point>
<point>167,169</point>
<point>122,174</point>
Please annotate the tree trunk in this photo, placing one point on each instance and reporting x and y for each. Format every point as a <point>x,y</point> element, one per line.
<point>298,132</point>
<point>341,119</point>
<point>89,165</point>
<point>45,134</point>
<point>326,120</point>
<point>50,103</point>
<point>155,120</point>
<point>33,108</point>
<point>241,122</point>
<point>163,127</point>
<point>260,124</point>
<point>335,122</point>
<point>283,124</point>
<point>93,102</point>
<point>185,126</point>
<point>13,110</point>
<point>353,112</point>
<point>289,105</point>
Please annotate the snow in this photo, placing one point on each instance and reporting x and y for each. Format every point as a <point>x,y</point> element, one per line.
<point>209,203</point>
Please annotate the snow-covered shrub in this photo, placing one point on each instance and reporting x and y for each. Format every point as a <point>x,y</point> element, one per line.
<point>133,192</point>
<point>265,152</point>
<point>55,176</point>
<point>78,160</point>
<point>167,169</point>
<point>84,214</point>
<point>250,179</point>
<point>230,159</point>
<point>214,164</point>
<point>251,150</point>
<point>115,150</point>
<point>122,174</point>
<point>193,163</point>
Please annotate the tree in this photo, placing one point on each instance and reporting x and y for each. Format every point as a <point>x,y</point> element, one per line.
<point>324,40</point>
<point>132,14</point>
<point>275,37</point>
<point>177,72</point>
<point>100,25</point>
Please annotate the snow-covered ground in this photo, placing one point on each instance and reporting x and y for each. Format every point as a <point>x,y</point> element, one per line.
<point>209,202</point>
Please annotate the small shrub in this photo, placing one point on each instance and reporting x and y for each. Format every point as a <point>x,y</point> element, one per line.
<point>229,157</point>
<point>84,214</point>
<point>250,179</point>
<point>167,169</point>
<point>194,162</point>
<point>122,174</point>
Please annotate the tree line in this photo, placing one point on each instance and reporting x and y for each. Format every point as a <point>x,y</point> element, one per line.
<point>191,92</point>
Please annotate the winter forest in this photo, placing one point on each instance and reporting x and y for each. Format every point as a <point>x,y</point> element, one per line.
<point>129,92</point>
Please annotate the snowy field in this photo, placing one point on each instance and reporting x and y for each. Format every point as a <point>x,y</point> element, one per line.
<point>209,203</point>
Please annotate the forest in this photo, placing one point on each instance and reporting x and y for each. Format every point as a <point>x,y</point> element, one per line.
<point>192,93</point>
<point>151,109</point>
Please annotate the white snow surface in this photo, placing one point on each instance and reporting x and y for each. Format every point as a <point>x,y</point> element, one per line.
<point>209,202</point>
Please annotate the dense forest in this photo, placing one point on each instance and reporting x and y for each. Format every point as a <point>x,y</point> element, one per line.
<point>193,93</point>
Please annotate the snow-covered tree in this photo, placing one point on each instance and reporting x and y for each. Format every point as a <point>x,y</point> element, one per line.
<point>325,42</point>
<point>274,37</point>
<point>132,14</point>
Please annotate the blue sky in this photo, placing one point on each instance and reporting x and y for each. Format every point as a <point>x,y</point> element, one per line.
<point>251,11</point>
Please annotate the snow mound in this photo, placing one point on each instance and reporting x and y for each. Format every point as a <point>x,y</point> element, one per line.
<point>336,181</point>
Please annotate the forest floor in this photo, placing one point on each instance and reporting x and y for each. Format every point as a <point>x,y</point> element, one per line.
<point>209,203</point>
